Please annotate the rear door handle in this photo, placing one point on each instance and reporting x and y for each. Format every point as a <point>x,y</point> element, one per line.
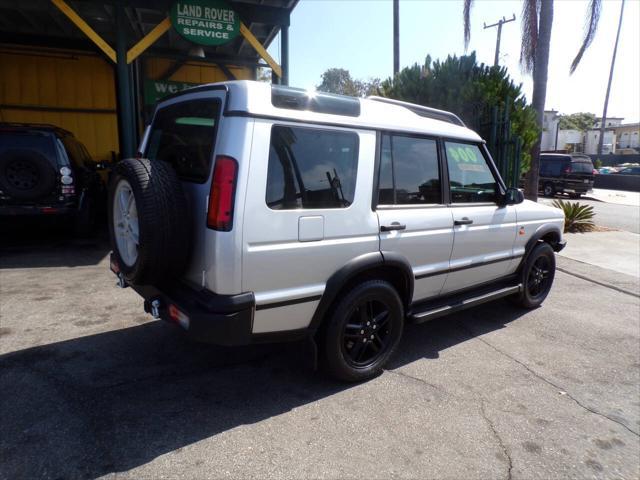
<point>463,221</point>
<point>393,226</point>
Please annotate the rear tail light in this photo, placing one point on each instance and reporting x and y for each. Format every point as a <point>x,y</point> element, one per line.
<point>567,169</point>
<point>178,316</point>
<point>221,197</point>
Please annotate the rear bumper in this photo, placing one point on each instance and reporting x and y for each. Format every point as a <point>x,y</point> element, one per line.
<point>33,210</point>
<point>203,315</point>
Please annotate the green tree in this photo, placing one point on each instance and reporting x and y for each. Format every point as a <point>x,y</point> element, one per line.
<point>581,121</point>
<point>537,19</point>
<point>338,80</point>
<point>470,90</point>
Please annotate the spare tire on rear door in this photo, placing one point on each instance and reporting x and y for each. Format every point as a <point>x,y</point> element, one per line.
<point>26,174</point>
<point>148,222</point>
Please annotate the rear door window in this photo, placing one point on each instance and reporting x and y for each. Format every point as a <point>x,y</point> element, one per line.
<point>409,171</point>
<point>183,135</point>
<point>311,168</point>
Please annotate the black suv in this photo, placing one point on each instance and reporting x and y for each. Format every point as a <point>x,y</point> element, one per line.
<point>565,173</point>
<point>44,170</point>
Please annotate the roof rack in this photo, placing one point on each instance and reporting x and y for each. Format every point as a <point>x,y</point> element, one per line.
<point>422,111</point>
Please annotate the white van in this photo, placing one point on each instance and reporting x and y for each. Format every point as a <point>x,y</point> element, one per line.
<point>267,213</point>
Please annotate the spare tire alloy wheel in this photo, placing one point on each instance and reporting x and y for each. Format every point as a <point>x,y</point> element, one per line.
<point>125,223</point>
<point>149,222</point>
<point>26,174</point>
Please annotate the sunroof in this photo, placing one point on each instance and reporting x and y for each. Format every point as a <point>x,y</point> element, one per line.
<point>298,99</point>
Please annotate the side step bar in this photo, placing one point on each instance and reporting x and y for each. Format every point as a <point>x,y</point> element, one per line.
<point>460,303</point>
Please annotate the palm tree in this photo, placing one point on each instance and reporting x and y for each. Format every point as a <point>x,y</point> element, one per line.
<point>537,19</point>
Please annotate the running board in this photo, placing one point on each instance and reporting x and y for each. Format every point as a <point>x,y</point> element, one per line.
<point>460,303</point>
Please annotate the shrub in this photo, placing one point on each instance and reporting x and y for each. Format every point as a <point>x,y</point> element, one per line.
<point>577,218</point>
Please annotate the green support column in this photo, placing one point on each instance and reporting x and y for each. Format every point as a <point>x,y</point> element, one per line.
<point>126,111</point>
<point>284,61</point>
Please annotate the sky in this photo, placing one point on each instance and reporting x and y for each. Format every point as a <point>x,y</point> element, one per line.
<point>357,35</point>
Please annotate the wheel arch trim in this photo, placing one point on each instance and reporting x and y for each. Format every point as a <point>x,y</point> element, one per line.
<point>358,266</point>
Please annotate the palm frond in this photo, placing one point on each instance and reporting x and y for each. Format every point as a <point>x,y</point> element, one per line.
<point>577,217</point>
<point>530,12</point>
<point>591,25</point>
<point>466,14</point>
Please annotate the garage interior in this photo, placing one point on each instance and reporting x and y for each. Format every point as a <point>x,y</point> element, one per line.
<point>97,68</point>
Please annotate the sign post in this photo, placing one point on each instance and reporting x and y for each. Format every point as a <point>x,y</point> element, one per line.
<point>206,22</point>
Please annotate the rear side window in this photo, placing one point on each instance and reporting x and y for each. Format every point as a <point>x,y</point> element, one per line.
<point>552,167</point>
<point>183,135</point>
<point>409,171</point>
<point>582,166</point>
<point>311,168</point>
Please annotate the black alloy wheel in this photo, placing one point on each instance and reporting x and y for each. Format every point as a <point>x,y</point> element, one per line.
<point>22,175</point>
<point>362,332</point>
<point>367,333</point>
<point>537,276</point>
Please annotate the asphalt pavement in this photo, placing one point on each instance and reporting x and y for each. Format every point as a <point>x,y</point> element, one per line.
<point>92,387</point>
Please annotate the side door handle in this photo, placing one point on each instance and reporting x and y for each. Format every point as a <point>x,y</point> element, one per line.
<point>463,221</point>
<point>393,226</point>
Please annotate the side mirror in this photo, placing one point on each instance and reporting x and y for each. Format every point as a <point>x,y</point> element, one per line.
<point>513,196</point>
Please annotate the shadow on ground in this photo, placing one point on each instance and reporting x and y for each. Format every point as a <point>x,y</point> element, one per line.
<point>49,242</point>
<point>114,401</point>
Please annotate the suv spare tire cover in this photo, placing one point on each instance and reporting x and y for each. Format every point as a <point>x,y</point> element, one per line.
<point>163,221</point>
<point>26,174</point>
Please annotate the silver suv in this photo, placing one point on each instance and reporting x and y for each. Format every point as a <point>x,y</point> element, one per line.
<point>266,213</point>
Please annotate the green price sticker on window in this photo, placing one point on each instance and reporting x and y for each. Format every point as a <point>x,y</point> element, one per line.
<point>463,153</point>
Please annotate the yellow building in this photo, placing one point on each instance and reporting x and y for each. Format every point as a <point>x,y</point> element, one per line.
<point>96,69</point>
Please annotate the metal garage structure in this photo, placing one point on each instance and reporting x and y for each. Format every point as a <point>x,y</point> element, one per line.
<point>96,68</point>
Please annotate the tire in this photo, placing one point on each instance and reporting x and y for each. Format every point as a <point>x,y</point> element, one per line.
<point>161,247</point>
<point>26,174</point>
<point>537,276</point>
<point>548,190</point>
<point>340,338</point>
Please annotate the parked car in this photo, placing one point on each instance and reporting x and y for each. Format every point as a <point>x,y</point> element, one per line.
<point>629,171</point>
<point>265,213</point>
<point>45,170</point>
<point>607,170</point>
<point>565,173</point>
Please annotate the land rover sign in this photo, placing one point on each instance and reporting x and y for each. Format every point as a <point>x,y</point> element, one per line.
<point>207,22</point>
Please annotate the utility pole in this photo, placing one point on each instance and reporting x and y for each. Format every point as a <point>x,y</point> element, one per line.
<point>396,37</point>
<point>499,24</point>
<point>606,97</point>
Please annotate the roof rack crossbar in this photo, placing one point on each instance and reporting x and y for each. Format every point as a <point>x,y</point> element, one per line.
<point>422,111</point>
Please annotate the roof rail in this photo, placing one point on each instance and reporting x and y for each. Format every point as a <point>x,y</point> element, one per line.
<point>422,111</point>
<point>48,126</point>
